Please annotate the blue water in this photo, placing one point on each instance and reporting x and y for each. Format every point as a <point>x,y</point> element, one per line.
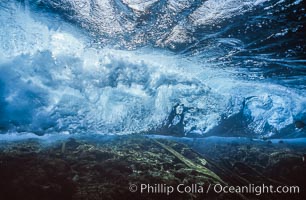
<point>119,66</point>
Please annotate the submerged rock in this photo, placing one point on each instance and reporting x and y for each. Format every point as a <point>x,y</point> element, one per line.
<point>93,170</point>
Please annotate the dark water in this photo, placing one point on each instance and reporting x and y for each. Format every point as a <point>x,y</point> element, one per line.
<point>119,66</point>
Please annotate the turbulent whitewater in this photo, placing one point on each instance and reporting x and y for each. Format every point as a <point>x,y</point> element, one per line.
<point>119,66</point>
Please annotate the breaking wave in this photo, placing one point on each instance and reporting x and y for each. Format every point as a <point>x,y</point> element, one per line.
<point>119,66</point>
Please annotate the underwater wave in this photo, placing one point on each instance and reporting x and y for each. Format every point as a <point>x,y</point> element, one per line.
<point>120,66</point>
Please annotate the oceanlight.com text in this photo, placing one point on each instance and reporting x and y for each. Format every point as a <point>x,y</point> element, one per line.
<point>213,188</point>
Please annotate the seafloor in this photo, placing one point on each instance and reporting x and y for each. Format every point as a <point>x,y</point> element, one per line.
<point>110,167</point>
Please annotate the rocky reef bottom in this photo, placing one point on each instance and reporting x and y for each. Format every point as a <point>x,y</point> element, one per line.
<point>140,167</point>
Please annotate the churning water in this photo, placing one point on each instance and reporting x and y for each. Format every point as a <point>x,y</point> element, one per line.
<point>119,66</point>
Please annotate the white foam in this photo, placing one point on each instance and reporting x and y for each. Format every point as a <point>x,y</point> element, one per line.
<point>56,82</point>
